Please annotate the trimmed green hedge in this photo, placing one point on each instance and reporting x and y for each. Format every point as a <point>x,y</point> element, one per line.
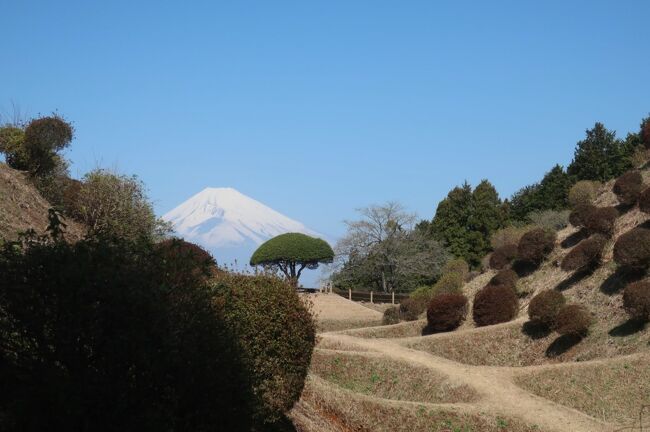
<point>293,247</point>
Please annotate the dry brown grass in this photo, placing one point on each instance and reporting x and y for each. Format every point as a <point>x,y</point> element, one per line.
<point>22,207</point>
<point>334,313</point>
<point>371,374</point>
<point>613,391</point>
<point>401,330</point>
<point>329,408</point>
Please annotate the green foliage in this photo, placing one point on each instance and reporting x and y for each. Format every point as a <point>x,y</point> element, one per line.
<point>411,308</point>
<point>573,320</point>
<point>116,206</point>
<point>645,132</point>
<point>628,187</point>
<point>550,194</point>
<point>465,220</point>
<point>292,253</point>
<point>494,304</point>
<point>458,266</point>
<point>275,334</point>
<point>448,282</point>
<point>536,245</point>
<point>636,300</point>
<point>446,312</point>
<point>391,316</point>
<point>632,249</point>
<point>600,156</point>
<point>94,334</point>
<point>583,192</point>
<point>36,147</point>
<point>545,307</point>
<point>586,255</point>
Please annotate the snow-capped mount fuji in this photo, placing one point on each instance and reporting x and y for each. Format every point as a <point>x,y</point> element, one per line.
<point>230,224</point>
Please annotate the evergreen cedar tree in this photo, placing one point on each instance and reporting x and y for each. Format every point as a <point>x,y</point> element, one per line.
<point>549,194</point>
<point>632,249</point>
<point>494,304</point>
<point>465,220</point>
<point>535,245</point>
<point>292,253</point>
<point>572,320</point>
<point>644,200</point>
<point>628,187</point>
<point>636,300</point>
<point>545,307</point>
<point>503,256</point>
<point>600,220</point>
<point>645,132</point>
<point>586,254</point>
<point>446,312</point>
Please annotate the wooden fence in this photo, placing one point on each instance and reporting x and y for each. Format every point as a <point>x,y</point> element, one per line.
<point>371,296</point>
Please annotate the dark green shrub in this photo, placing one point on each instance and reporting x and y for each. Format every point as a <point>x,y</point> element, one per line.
<point>573,320</point>
<point>586,254</point>
<point>446,312</point>
<point>458,266</point>
<point>632,249</point>
<point>600,220</point>
<point>577,216</point>
<point>644,200</point>
<point>545,306</point>
<point>93,337</point>
<point>175,251</point>
<point>503,256</point>
<point>448,282</point>
<point>636,300</point>
<point>275,334</point>
<point>410,309</point>
<point>44,138</point>
<point>391,316</point>
<point>506,278</point>
<point>536,245</point>
<point>628,187</point>
<point>494,304</point>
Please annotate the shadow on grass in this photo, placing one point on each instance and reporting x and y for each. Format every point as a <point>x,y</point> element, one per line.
<point>623,208</point>
<point>282,425</point>
<point>628,328</point>
<point>575,238</point>
<point>524,268</point>
<point>562,344</point>
<point>535,330</point>
<point>620,279</point>
<point>574,279</point>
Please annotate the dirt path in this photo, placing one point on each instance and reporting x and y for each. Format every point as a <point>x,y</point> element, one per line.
<point>495,385</point>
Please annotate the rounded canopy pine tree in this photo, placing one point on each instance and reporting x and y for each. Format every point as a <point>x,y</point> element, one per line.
<point>291,253</point>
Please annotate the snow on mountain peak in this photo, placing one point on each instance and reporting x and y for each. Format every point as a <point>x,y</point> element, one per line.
<point>224,217</point>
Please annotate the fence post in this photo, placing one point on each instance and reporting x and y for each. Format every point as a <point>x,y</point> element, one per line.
<point>392,297</point>
<point>350,294</point>
<point>370,296</point>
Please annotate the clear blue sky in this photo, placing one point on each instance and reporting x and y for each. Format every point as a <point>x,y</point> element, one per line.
<point>319,107</point>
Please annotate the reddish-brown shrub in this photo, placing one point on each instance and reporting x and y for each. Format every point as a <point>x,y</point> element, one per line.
<point>506,278</point>
<point>573,320</point>
<point>446,312</point>
<point>632,249</point>
<point>644,201</point>
<point>600,220</point>
<point>545,306</point>
<point>586,254</point>
<point>494,304</point>
<point>411,308</point>
<point>535,245</point>
<point>636,300</point>
<point>577,216</point>
<point>503,256</point>
<point>628,187</point>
